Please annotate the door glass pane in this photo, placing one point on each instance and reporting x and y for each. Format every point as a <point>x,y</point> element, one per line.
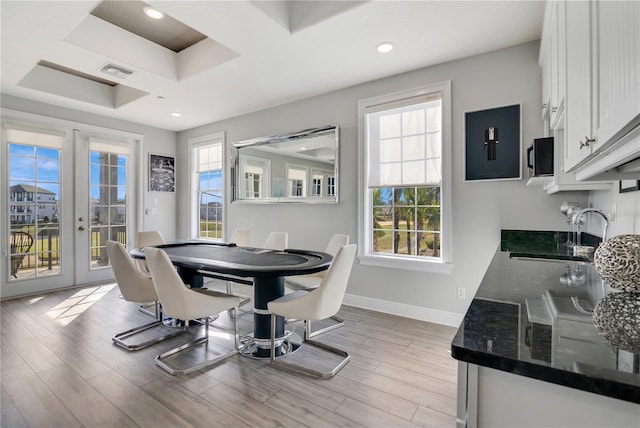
<point>108,203</point>
<point>34,210</point>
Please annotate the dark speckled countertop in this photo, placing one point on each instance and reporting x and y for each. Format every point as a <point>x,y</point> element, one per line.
<point>531,317</point>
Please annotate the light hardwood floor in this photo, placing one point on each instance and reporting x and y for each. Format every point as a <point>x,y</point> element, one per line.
<point>60,369</point>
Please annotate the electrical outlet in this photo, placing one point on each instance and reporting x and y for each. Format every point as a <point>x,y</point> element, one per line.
<point>462,292</point>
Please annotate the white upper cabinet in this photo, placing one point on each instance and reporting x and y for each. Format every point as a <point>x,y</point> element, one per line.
<point>579,130</point>
<point>553,62</point>
<point>616,91</point>
<point>617,29</point>
<point>598,95</point>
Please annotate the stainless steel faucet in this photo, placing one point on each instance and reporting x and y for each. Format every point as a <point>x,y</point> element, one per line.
<point>577,218</point>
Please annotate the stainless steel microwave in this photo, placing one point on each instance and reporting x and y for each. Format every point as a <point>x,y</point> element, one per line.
<point>540,157</point>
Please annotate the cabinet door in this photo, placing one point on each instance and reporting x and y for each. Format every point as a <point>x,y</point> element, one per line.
<point>618,69</point>
<point>558,63</point>
<point>579,99</point>
<point>545,63</point>
<point>553,63</point>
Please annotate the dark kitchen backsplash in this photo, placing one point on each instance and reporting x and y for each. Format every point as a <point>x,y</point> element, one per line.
<point>541,241</point>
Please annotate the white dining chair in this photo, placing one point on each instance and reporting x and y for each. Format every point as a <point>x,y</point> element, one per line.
<point>186,304</point>
<point>320,303</point>
<point>241,237</point>
<point>278,241</point>
<point>147,238</point>
<point>136,287</point>
<point>312,281</point>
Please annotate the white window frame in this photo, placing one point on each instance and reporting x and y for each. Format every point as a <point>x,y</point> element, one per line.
<point>256,161</point>
<point>331,185</point>
<point>305,182</point>
<point>323,175</point>
<point>317,185</point>
<point>365,257</point>
<point>194,204</point>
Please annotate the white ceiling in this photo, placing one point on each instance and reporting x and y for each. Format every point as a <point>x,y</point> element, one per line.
<point>257,55</point>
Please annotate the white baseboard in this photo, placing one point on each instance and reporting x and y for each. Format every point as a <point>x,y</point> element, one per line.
<point>435,316</point>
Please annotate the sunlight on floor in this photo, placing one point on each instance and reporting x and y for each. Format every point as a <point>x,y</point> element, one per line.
<point>220,335</point>
<point>35,300</point>
<point>69,309</point>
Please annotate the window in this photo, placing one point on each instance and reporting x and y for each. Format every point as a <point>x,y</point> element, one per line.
<point>405,195</point>
<point>316,185</point>
<point>208,161</point>
<point>254,184</point>
<point>297,181</point>
<point>331,186</point>
<point>322,183</point>
<point>255,173</point>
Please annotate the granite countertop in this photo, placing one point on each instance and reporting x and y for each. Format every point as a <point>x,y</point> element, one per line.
<point>531,317</point>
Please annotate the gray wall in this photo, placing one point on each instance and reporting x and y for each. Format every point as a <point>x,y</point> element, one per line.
<point>480,209</point>
<point>155,141</point>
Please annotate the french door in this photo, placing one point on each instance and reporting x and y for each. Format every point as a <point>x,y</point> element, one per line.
<point>66,191</point>
<point>105,196</point>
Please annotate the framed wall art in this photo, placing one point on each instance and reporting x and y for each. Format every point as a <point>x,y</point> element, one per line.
<point>493,144</point>
<point>162,174</point>
<point>629,186</point>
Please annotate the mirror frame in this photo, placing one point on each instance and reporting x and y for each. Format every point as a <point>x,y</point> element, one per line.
<point>273,139</point>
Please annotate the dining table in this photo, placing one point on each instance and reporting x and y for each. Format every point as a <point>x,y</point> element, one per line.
<point>263,268</point>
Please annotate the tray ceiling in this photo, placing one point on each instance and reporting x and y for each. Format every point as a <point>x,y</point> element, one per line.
<point>240,56</point>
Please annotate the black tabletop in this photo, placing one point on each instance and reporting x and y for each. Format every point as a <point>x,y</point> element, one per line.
<point>523,320</point>
<point>241,261</point>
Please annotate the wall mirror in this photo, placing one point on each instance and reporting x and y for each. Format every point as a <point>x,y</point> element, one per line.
<point>295,167</point>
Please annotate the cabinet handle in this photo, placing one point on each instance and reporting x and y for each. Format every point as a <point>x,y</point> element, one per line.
<point>544,106</point>
<point>586,142</point>
<point>554,109</point>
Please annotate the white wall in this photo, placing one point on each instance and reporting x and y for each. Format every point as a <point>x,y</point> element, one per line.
<point>480,210</point>
<point>155,141</point>
<point>627,211</point>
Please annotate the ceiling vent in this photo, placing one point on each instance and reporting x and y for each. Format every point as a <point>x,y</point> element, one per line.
<point>116,70</point>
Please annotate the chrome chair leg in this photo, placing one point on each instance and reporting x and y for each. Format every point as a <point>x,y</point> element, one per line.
<point>174,370</point>
<point>118,338</point>
<point>144,310</point>
<point>309,334</point>
<point>280,362</point>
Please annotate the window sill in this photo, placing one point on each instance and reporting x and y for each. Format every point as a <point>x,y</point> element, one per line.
<point>406,263</point>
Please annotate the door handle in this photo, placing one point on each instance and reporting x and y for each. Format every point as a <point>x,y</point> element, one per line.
<point>81,228</point>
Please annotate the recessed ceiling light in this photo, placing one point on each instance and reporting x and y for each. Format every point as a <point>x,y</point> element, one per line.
<point>153,13</point>
<point>385,47</point>
<point>176,114</point>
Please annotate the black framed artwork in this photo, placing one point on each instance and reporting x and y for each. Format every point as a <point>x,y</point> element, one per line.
<point>162,175</point>
<point>629,186</point>
<point>493,144</point>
